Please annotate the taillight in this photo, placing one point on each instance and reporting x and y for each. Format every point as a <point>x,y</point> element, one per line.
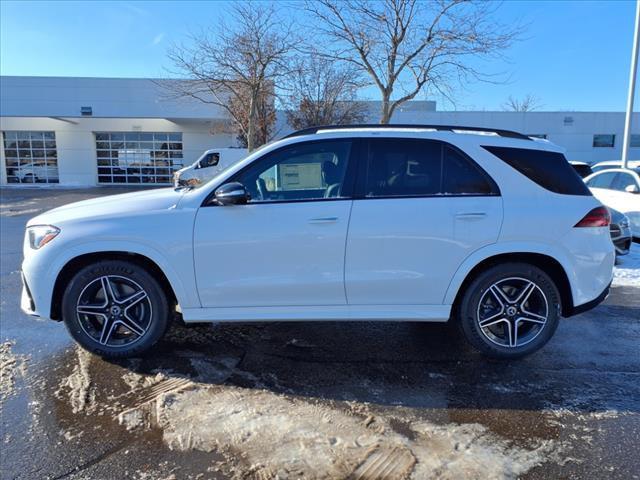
<point>598,217</point>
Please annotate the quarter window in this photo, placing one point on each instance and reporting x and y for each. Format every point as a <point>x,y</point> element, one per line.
<point>550,170</point>
<point>306,171</point>
<point>31,157</point>
<point>604,140</point>
<point>138,157</point>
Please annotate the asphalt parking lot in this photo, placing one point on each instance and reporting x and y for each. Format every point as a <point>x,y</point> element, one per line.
<point>314,400</point>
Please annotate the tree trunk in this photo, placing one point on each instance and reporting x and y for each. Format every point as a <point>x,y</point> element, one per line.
<point>385,117</point>
<point>252,122</point>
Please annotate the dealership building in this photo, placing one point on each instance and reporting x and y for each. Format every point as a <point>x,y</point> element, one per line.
<point>101,131</point>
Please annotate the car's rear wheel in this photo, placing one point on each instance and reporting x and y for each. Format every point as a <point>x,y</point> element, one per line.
<point>115,309</point>
<point>510,310</point>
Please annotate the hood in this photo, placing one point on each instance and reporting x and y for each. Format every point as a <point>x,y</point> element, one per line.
<point>112,205</point>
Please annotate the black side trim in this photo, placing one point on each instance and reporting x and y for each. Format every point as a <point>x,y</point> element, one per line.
<point>590,305</point>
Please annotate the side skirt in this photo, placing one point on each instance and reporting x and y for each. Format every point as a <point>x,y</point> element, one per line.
<point>414,313</point>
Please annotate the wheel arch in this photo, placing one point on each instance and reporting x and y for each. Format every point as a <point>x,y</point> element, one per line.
<point>548,264</point>
<point>75,264</point>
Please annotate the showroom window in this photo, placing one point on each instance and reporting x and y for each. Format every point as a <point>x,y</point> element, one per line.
<point>604,140</point>
<point>31,157</point>
<point>138,157</point>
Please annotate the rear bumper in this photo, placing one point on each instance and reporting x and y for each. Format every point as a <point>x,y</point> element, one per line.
<point>590,305</point>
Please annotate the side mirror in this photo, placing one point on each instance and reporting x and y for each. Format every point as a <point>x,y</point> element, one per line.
<point>631,189</point>
<point>232,193</point>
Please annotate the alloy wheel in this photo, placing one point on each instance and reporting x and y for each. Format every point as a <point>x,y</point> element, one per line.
<point>512,312</point>
<point>114,311</point>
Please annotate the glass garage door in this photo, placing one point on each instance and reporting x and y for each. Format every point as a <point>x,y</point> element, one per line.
<point>31,157</point>
<point>138,157</point>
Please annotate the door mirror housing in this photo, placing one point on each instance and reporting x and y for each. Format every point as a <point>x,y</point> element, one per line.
<point>232,193</point>
<point>631,189</point>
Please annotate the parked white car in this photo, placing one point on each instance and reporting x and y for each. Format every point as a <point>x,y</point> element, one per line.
<point>620,189</point>
<point>34,173</point>
<point>208,166</point>
<point>609,164</point>
<point>486,229</point>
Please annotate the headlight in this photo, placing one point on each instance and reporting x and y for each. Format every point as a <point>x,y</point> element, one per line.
<point>40,235</point>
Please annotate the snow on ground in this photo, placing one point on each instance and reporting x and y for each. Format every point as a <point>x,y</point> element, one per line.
<point>288,437</point>
<point>627,269</point>
<point>11,366</point>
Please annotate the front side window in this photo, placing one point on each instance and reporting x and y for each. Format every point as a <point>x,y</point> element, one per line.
<point>305,171</point>
<point>399,167</point>
<point>604,180</point>
<point>604,140</point>
<point>31,157</point>
<point>210,160</point>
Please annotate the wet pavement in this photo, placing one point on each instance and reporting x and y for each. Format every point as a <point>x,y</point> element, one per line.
<point>313,400</point>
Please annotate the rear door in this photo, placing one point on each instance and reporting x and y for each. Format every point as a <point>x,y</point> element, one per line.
<point>421,208</point>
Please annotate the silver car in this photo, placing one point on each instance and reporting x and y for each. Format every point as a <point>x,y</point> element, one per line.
<point>620,232</point>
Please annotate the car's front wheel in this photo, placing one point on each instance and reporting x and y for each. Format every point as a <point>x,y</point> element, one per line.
<point>115,309</point>
<point>510,310</point>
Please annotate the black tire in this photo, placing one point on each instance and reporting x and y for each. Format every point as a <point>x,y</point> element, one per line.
<point>152,311</point>
<point>507,276</point>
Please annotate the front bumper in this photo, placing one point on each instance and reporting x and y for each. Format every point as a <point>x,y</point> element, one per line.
<point>27,304</point>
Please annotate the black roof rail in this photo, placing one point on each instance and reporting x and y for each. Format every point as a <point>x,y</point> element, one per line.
<point>497,131</point>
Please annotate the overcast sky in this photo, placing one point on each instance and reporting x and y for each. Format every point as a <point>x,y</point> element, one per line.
<point>575,55</point>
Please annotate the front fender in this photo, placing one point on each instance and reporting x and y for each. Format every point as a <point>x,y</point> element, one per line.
<point>43,276</point>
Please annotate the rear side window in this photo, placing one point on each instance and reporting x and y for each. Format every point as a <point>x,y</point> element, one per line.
<point>403,167</point>
<point>463,177</point>
<point>550,170</point>
<point>399,167</point>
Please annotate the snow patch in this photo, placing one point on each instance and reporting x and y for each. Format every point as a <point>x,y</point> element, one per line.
<point>280,436</point>
<point>627,272</point>
<point>11,365</point>
<point>78,386</point>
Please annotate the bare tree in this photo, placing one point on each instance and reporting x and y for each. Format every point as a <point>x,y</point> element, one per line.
<point>527,104</point>
<point>407,46</point>
<point>265,116</point>
<point>232,65</point>
<point>321,92</point>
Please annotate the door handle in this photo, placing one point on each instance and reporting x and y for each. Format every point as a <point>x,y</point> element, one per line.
<point>323,220</point>
<point>471,216</point>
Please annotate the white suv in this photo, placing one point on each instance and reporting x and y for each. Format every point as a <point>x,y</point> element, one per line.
<point>485,228</point>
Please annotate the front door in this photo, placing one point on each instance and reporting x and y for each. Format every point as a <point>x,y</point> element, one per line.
<point>286,246</point>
